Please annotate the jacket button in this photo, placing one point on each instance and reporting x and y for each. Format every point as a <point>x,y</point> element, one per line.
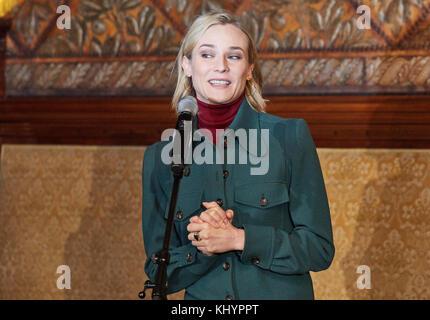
<point>229,297</point>
<point>189,257</point>
<point>263,201</point>
<point>220,203</point>
<point>225,173</point>
<point>226,266</point>
<point>179,215</point>
<point>255,260</point>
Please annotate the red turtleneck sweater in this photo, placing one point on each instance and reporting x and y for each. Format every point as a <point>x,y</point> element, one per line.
<point>213,116</point>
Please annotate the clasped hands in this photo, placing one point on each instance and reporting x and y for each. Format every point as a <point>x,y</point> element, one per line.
<point>215,232</point>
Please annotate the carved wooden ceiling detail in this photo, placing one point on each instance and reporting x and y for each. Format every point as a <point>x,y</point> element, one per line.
<point>128,47</point>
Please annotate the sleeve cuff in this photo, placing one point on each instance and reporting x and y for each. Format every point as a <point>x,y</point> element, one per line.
<point>258,248</point>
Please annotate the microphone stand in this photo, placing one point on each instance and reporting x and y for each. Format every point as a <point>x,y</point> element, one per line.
<point>162,257</point>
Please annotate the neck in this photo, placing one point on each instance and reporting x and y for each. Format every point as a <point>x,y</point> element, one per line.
<point>217,116</point>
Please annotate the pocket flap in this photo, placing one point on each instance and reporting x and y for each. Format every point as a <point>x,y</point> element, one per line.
<point>188,203</point>
<point>262,195</point>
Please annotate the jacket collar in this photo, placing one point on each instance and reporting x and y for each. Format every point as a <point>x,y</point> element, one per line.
<point>246,117</point>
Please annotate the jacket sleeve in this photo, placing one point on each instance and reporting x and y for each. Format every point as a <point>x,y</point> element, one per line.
<point>309,245</point>
<point>187,264</point>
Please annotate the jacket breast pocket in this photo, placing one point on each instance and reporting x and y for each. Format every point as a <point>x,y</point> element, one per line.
<point>262,203</point>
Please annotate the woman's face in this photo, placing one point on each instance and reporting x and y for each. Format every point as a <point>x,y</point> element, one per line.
<point>219,64</point>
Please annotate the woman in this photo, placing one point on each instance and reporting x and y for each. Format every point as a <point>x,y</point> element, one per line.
<point>238,235</point>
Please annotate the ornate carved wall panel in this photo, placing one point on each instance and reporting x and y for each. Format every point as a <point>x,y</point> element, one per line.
<point>128,47</point>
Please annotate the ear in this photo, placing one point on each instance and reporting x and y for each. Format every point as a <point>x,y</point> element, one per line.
<point>250,70</point>
<point>186,66</point>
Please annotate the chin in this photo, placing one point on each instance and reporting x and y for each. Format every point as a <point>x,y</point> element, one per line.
<point>220,99</point>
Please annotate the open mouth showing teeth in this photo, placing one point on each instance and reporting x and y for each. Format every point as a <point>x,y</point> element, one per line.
<point>219,82</point>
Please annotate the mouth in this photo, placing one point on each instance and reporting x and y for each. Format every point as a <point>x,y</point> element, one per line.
<point>219,82</point>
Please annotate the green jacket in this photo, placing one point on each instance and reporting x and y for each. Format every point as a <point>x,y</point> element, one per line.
<point>284,213</point>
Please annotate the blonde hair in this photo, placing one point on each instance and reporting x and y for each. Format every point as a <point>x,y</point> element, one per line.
<point>184,86</point>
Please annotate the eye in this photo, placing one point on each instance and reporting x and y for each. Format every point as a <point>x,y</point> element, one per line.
<point>206,55</point>
<point>235,57</point>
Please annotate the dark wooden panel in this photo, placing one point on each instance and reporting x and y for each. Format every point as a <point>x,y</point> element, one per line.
<point>334,121</point>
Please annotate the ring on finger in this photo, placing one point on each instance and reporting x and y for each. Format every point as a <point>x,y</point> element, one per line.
<point>196,236</point>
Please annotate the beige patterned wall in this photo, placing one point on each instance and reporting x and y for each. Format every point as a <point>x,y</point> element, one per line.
<point>81,206</point>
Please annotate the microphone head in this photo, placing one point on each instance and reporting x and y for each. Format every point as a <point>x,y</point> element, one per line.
<point>188,104</point>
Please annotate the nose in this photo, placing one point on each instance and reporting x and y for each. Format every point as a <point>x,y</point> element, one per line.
<point>221,64</point>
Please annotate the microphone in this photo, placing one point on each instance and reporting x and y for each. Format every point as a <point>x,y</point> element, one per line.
<point>187,110</point>
<point>188,105</point>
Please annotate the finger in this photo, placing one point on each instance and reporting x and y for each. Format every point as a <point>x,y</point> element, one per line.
<point>230,214</point>
<point>219,214</point>
<point>195,227</point>
<point>211,204</point>
<point>208,218</point>
<point>204,249</point>
<point>191,237</point>
<point>201,245</point>
<point>196,219</point>
<point>211,217</point>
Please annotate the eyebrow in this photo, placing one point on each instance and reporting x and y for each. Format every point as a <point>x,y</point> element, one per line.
<point>231,48</point>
